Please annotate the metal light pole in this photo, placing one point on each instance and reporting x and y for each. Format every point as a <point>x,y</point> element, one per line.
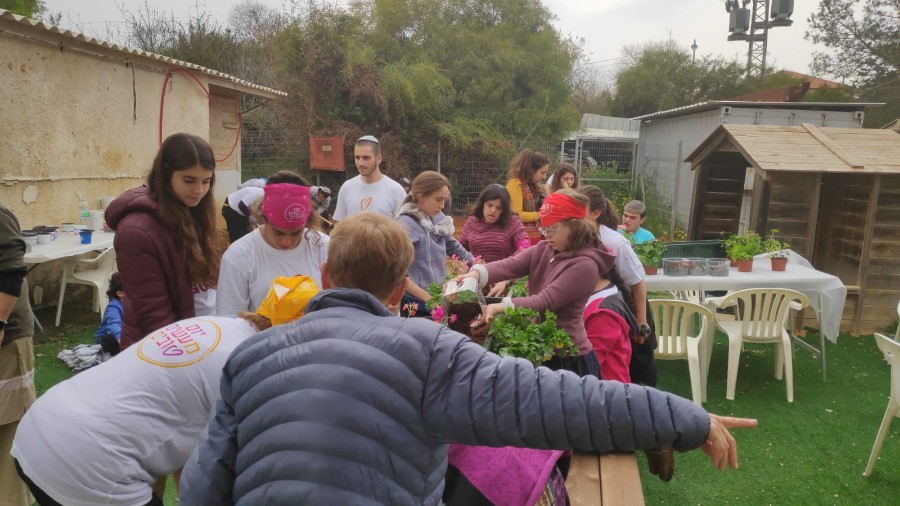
<point>752,25</point>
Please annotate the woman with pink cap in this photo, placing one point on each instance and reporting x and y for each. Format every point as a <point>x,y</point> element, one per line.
<point>562,271</point>
<point>290,241</point>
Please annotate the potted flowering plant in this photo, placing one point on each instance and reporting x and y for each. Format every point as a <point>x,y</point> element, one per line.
<point>650,254</point>
<point>775,250</point>
<point>742,248</point>
<point>460,308</point>
<point>455,267</point>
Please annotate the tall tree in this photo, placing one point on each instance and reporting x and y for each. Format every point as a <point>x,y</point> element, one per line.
<point>864,39</point>
<point>27,8</point>
<point>660,75</point>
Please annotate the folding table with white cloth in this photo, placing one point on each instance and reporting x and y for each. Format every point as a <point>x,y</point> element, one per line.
<point>826,293</point>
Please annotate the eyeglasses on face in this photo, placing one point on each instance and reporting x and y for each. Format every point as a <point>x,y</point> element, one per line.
<point>549,231</point>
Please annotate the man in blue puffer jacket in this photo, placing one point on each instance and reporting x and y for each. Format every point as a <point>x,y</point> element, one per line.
<point>352,405</point>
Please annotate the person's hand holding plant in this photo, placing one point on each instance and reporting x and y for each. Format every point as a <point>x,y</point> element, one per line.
<point>498,289</point>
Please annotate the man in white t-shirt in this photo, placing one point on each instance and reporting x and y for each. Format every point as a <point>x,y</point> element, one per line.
<point>284,245</point>
<point>370,190</point>
<point>109,433</point>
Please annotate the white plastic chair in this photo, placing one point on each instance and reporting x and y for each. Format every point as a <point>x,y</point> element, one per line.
<point>897,333</point>
<point>891,350</point>
<point>680,337</point>
<point>695,296</point>
<point>97,276</point>
<point>760,317</point>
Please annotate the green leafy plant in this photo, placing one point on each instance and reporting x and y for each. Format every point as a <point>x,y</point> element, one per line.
<point>650,253</point>
<point>775,248</point>
<point>520,333</point>
<point>435,290</point>
<point>519,288</point>
<point>744,246</point>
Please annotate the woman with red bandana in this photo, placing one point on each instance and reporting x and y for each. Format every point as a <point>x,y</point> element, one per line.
<point>562,272</point>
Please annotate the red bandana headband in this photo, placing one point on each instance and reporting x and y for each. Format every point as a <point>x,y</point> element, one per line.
<point>558,207</point>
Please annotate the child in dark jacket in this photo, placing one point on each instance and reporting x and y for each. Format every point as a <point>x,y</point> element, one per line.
<point>110,330</point>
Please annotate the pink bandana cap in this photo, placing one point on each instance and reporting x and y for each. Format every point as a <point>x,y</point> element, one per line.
<point>286,205</point>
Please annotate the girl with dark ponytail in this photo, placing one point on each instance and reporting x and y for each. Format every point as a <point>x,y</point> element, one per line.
<point>610,322</point>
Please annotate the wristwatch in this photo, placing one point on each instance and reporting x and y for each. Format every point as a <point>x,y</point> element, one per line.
<point>645,330</point>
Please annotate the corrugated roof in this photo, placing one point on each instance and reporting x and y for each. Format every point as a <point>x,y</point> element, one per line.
<point>806,148</point>
<point>600,121</point>
<point>715,104</point>
<point>597,127</point>
<point>9,22</point>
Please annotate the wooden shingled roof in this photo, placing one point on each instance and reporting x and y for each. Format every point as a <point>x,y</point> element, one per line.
<point>805,148</point>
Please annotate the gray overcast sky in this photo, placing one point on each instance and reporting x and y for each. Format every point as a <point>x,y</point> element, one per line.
<point>605,25</point>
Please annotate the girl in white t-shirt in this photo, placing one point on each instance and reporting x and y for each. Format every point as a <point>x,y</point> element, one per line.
<point>107,435</point>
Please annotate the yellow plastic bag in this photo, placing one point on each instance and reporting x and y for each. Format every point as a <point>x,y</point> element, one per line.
<point>287,298</point>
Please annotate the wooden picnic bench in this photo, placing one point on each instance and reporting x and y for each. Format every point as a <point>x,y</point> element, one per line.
<point>601,480</point>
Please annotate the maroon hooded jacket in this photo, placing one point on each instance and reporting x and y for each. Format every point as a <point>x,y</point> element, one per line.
<point>151,266</point>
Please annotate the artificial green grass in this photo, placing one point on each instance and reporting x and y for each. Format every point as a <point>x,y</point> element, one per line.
<point>811,451</point>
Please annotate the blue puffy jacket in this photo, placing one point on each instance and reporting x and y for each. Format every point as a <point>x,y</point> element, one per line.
<point>353,406</point>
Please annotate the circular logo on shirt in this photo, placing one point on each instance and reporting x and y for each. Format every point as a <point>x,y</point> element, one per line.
<point>180,344</point>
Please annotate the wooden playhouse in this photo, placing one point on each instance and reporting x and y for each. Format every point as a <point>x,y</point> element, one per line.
<point>833,193</point>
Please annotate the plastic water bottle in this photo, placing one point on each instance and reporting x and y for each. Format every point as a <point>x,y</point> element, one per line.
<point>85,212</point>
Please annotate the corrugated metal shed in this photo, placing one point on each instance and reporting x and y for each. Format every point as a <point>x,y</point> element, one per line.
<point>715,104</point>
<point>666,137</point>
<point>21,26</point>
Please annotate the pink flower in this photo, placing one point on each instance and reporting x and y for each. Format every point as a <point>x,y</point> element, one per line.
<point>453,318</point>
<point>411,308</point>
<point>437,314</point>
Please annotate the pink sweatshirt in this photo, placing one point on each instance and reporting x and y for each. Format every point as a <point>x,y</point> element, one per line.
<point>558,282</point>
<point>610,335</point>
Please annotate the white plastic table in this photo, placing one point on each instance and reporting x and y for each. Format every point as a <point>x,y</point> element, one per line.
<point>67,245</point>
<point>826,293</point>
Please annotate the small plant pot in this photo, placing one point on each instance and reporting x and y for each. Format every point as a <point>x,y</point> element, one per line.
<point>779,264</point>
<point>745,265</point>
<point>733,263</point>
<point>650,271</point>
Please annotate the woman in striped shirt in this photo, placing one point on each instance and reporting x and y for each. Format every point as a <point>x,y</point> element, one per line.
<point>493,232</point>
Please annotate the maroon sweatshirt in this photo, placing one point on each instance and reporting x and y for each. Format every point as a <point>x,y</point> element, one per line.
<point>151,266</point>
<point>558,282</point>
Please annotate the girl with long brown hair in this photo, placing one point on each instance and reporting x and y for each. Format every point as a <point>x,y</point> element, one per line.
<point>431,233</point>
<point>166,238</point>
<point>526,175</point>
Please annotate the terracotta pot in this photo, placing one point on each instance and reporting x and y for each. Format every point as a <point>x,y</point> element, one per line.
<point>650,271</point>
<point>733,262</point>
<point>779,264</point>
<point>745,265</point>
